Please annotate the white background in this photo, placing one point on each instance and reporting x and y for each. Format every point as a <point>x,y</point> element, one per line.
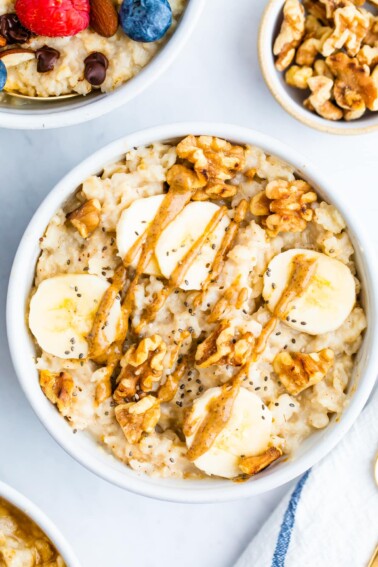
<point>215,78</point>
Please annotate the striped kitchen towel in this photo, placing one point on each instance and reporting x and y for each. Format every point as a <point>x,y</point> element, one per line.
<point>330,519</point>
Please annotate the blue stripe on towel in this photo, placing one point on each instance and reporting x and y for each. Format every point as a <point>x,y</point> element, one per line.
<point>283,540</point>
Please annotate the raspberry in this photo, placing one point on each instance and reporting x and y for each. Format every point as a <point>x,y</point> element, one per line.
<point>53,18</point>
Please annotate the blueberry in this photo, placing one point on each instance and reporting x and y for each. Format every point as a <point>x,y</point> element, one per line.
<point>3,75</point>
<point>145,20</point>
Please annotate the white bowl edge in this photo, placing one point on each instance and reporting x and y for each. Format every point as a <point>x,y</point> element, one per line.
<point>84,449</point>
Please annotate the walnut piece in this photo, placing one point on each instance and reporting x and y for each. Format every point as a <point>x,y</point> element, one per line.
<point>86,218</point>
<point>185,179</point>
<point>215,162</point>
<point>141,367</point>
<point>354,86</point>
<point>319,101</point>
<point>255,464</point>
<point>316,11</point>
<point>224,345</point>
<point>136,418</point>
<point>351,26</point>
<point>284,205</point>
<point>298,371</point>
<point>58,388</point>
<point>321,68</point>
<point>332,5</point>
<point>298,76</point>
<point>368,56</point>
<point>291,33</point>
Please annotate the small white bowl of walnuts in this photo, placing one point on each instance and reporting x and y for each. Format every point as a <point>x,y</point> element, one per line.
<point>319,59</point>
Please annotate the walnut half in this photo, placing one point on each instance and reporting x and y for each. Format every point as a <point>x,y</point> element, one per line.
<point>136,418</point>
<point>291,33</point>
<point>284,205</point>
<point>215,162</point>
<point>298,371</point>
<point>86,218</point>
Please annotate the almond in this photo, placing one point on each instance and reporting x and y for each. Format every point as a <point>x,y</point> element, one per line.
<point>104,17</point>
<point>16,56</point>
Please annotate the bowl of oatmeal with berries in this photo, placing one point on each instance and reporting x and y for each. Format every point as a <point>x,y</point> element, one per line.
<point>67,61</point>
<point>319,59</point>
<point>199,311</point>
<point>27,537</point>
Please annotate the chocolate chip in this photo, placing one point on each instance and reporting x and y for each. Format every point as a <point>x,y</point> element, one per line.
<point>46,59</point>
<point>95,68</point>
<point>12,29</point>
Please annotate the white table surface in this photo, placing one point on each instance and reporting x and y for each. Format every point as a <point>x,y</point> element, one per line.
<point>216,78</point>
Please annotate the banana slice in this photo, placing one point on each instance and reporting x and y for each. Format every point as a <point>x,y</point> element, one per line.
<point>246,433</point>
<point>180,235</point>
<point>133,222</point>
<point>62,311</point>
<point>328,299</point>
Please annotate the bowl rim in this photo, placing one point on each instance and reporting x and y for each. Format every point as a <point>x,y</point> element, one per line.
<point>33,511</point>
<point>206,491</point>
<point>270,75</point>
<point>106,102</point>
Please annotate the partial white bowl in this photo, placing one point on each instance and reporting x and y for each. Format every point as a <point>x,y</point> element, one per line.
<point>291,99</point>
<point>32,511</point>
<point>19,114</point>
<point>81,446</point>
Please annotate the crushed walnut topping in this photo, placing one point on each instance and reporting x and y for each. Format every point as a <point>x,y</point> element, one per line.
<point>225,346</point>
<point>298,371</point>
<point>253,465</point>
<point>137,418</point>
<point>285,206</point>
<point>86,218</point>
<point>141,367</point>
<point>215,162</point>
<point>336,58</point>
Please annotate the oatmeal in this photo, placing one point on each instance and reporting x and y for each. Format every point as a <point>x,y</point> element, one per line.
<point>22,542</point>
<point>52,63</point>
<point>196,309</point>
<point>329,50</point>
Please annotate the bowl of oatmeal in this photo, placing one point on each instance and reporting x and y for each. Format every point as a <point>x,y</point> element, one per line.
<point>319,60</point>
<point>28,537</point>
<point>193,306</point>
<point>63,63</point>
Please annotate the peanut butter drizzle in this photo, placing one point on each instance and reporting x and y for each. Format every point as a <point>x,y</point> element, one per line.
<point>226,245</point>
<point>168,390</point>
<point>178,274</point>
<point>172,205</point>
<point>262,339</point>
<point>220,409</point>
<point>97,341</point>
<point>223,302</point>
<point>219,413</point>
<point>302,272</point>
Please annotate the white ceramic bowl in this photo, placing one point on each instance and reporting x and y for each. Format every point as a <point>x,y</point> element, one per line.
<point>32,511</point>
<point>84,448</point>
<point>18,114</point>
<point>291,99</point>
